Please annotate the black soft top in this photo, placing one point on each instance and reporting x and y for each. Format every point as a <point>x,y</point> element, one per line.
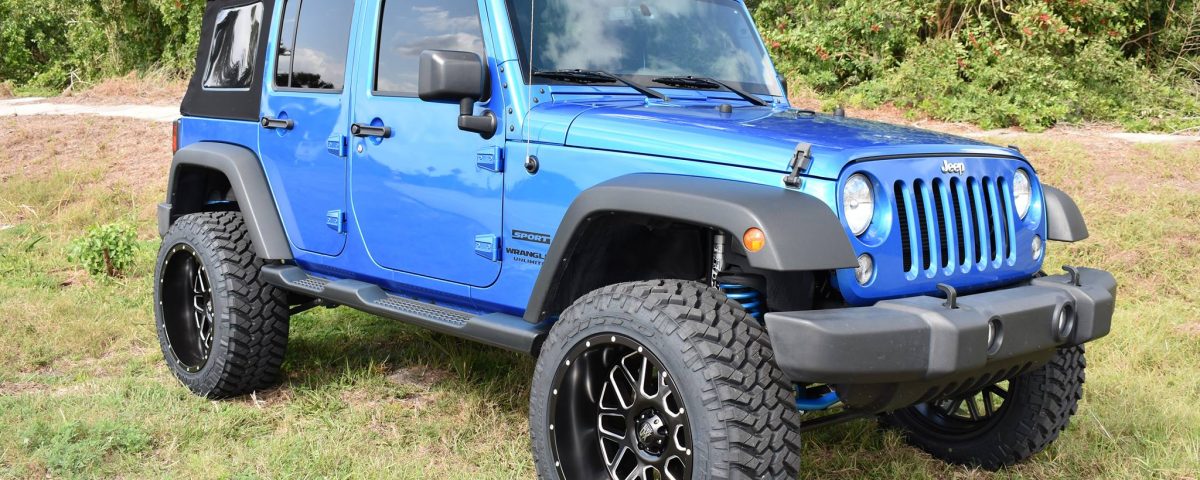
<point>227,104</point>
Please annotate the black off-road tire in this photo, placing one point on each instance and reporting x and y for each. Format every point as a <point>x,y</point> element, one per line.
<point>1040,405</point>
<point>741,410</point>
<point>249,319</point>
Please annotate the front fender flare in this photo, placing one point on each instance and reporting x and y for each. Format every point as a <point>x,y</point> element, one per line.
<point>803,234</point>
<point>1064,221</point>
<point>248,184</point>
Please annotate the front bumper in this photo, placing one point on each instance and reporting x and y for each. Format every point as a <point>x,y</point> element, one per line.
<point>921,341</point>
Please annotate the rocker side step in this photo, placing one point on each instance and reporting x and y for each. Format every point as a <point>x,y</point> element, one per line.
<point>496,329</point>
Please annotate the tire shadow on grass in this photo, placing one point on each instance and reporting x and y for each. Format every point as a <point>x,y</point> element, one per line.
<point>343,348</point>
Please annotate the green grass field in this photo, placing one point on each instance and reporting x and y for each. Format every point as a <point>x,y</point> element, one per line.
<point>84,392</point>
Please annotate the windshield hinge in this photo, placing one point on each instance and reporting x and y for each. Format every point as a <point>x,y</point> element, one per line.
<point>800,163</point>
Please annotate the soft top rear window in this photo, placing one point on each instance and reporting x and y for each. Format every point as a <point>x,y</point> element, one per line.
<point>233,51</point>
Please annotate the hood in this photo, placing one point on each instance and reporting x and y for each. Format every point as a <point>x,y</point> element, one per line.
<point>755,137</point>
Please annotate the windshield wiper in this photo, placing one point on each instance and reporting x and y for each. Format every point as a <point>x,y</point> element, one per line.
<point>710,83</point>
<point>598,76</point>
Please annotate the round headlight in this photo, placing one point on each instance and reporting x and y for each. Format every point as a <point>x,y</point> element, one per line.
<point>1022,193</point>
<point>858,203</point>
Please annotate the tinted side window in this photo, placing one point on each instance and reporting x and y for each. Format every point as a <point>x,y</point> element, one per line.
<point>233,54</point>
<point>313,42</point>
<point>409,27</point>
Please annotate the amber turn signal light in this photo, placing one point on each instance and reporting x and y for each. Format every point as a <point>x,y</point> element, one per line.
<point>754,240</point>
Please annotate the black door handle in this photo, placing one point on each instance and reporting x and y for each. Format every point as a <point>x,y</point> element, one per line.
<point>364,130</point>
<point>273,123</point>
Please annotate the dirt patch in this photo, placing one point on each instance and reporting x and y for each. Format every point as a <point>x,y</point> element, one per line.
<point>6,90</point>
<point>132,89</point>
<point>1189,329</point>
<point>268,398</point>
<point>421,377</point>
<point>129,152</point>
<point>8,389</point>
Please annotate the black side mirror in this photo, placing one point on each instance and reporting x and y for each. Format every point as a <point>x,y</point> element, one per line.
<point>783,83</point>
<point>458,77</point>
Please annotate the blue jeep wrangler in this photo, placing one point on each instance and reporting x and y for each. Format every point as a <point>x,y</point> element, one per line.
<point>621,189</point>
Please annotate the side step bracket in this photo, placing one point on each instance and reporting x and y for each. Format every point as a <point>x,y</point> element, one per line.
<point>496,329</point>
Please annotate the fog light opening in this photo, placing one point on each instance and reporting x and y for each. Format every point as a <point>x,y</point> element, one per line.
<point>995,336</point>
<point>1064,322</point>
<point>1038,247</point>
<point>866,269</point>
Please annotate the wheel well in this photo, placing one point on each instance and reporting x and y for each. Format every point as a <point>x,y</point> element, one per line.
<point>199,189</point>
<point>614,248</point>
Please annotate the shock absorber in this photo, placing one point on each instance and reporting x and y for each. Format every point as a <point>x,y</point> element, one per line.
<point>750,298</point>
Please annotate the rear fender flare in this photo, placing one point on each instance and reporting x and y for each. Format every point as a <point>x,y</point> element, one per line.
<point>248,185</point>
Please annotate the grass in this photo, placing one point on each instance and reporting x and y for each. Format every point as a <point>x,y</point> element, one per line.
<point>84,393</point>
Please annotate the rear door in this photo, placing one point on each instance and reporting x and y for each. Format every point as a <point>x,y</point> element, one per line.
<point>302,142</point>
<point>427,197</point>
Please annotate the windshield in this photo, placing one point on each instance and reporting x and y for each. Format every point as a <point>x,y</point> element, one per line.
<point>645,39</point>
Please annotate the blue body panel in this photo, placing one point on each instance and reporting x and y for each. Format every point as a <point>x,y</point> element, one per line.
<point>418,204</point>
<point>420,198</point>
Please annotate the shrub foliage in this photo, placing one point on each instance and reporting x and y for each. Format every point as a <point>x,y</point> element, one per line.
<point>105,251</point>
<point>996,62</point>
<point>59,43</point>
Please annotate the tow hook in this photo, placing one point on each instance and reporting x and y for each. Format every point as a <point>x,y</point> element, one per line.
<point>1075,278</point>
<point>951,296</point>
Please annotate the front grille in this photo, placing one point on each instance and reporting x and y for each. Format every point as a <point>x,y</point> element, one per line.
<point>955,224</point>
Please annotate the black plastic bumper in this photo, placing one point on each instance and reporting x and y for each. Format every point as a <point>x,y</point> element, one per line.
<point>920,340</point>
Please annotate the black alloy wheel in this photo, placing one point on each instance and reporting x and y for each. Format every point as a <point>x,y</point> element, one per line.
<point>1002,424</point>
<point>617,388</point>
<point>966,416</point>
<point>187,304</point>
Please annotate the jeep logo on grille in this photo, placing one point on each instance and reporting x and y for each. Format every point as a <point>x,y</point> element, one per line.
<point>954,167</point>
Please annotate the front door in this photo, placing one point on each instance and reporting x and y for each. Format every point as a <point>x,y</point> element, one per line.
<point>427,196</point>
<point>304,123</point>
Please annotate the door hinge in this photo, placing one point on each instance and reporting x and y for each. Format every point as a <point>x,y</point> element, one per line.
<point>336,145</point>
<point>336,219</point>
<point>490,159</point>
<point>488,246</point>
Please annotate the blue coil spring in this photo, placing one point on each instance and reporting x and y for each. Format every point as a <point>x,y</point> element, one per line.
<point>750,298</point>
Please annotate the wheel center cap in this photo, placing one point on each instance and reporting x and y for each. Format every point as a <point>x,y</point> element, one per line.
<point>651,432</point>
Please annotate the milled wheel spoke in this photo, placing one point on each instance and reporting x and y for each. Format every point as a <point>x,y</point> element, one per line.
<point>1000,392</point>
<point>621,400</point>
<point>604,391</point>
<point>972,408</point>
<point>988,407</point>
<point>604,432</point>
<point>642,379</point>
<point>954,407</point>
<point>677,440</point>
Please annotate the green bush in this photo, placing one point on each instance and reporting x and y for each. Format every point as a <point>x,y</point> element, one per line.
<point>57,43</point>
<point>1032,63</point>
<point>105,251</point>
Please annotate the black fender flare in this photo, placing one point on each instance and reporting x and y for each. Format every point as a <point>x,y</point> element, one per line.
<point>1064,221</point>
<point>803,233</point>
<point>248,184</point>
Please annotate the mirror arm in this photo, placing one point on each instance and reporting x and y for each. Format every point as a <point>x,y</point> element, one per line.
<point>484,125</point>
